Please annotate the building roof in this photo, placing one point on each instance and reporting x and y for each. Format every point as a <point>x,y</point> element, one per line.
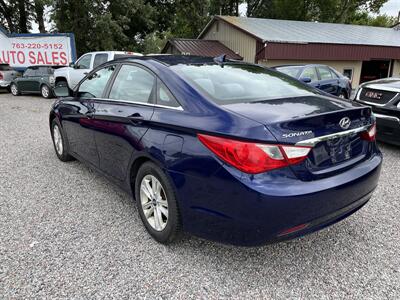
<point>284,31</point>
<point>208,48</point>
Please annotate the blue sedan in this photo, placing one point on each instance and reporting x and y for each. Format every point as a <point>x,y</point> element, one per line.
<point>321,77</point>
<point>225,150</point>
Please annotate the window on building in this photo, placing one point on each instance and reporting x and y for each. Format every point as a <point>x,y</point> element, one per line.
<point>348,72</point>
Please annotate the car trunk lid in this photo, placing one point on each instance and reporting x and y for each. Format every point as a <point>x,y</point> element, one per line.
<point>332,128</point>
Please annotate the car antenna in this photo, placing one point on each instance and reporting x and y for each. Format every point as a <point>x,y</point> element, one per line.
<point>220,59</point>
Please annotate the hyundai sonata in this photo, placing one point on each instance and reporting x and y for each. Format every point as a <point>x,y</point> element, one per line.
<point>225,150</point>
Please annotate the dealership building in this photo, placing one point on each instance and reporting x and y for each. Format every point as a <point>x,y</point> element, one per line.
<point>362,53</point>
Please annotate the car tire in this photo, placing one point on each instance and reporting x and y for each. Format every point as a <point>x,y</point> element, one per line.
<point>14,89</point>
<point>343,95</point>
<point>60,142</point>
<point>46,92</point>
<point>157,204</point>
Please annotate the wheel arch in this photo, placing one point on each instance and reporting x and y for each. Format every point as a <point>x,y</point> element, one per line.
<point>52,116</point>
<point>42,84</point>
<point>137,162</point>
<point>61,78</point>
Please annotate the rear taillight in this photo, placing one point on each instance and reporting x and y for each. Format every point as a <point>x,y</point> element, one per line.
<point>254,158</point>
<point>1,76</point>
<point>369,135</point>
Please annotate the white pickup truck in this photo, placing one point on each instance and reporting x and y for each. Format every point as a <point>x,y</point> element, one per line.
<point>71,75</point>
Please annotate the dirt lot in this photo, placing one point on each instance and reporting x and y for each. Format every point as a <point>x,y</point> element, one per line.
<point>65,232</point>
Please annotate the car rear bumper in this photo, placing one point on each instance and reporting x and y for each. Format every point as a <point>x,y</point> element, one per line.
<point>4,84</point>
<point>233,211</point>
<point>388,128</point>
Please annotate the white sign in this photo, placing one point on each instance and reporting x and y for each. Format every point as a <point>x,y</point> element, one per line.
<point>24,50</point>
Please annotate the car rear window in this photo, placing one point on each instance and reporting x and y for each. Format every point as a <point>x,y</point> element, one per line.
<point>291,71</point>
<point>5,67</point>
<point>239,83</point>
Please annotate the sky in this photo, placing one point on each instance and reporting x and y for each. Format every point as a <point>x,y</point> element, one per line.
<point>391,8</point>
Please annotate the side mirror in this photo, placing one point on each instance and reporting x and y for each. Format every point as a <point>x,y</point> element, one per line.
<point>306,79</point>
<point>72,65</point>
<point>62,91</point>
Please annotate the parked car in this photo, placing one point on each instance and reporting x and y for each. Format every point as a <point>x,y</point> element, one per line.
<point>71,75</point>
<point>321,77</point>
<point>7,74</point>
<point>383,96</point>
<point>228,151</point>
<point>35,80</point>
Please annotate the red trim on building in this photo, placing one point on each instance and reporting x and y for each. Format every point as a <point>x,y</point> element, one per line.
<point>292,51</point>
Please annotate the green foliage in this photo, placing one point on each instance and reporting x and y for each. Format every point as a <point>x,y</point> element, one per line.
<point>145,25</point>
<point>225,7</point>
<point>190,18</point>
<point>334,11</point>
<point>363,18</point>
<point>154,42</point>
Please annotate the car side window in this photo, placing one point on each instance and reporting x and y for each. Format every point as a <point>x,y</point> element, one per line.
<point>42,71</point>
<point>133,84</point>
<point>100,59</point>
<point>84,62</point>
<point>164,96</point>
<point>93,86</point>
<point>325,73</point>
<point>311,73</point>
<point>29,73</point>
<point>334,75</point>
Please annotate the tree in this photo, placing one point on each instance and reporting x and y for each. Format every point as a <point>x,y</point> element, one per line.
<point>7,11</point>
<point>225,7</point>
<point>334,11</point>
<point>190,18</point>
<point>39,6</point>
<point>363,18</point>
<point>23,16</point>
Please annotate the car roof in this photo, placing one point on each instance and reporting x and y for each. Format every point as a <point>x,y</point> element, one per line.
<point>171,60</point>
<point>46,66</point>
<point>113,52</point>
<point>300,65</point>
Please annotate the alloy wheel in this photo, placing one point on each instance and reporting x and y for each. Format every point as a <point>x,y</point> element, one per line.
<point>45,91</point>
<point>58,142</point>
<point>154,202</point>
<point>14,90</point>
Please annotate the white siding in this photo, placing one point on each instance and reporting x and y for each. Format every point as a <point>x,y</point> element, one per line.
<point>234,39</point>
<point>396,68</point>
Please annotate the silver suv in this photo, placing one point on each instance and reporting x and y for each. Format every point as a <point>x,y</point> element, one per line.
<point>7,74</point>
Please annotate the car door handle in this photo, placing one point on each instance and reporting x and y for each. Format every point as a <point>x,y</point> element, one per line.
<point>85,73</point>
<point>136,118</point>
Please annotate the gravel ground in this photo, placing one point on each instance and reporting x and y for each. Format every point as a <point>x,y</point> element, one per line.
<point>65,232</point>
